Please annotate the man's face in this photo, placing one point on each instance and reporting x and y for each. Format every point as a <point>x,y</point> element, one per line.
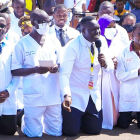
<point>19,8</point>
<point>91,31</point>
<point>2,27</point>
<point>120,6</point>
<point>129,20</point>
<point>60,17</point>
<point>136,37</point>
<point>107,10</point>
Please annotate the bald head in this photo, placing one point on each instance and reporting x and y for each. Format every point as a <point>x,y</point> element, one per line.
<point>39,16</point>
<point>106,7</point>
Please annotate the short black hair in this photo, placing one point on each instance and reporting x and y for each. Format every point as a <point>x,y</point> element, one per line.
<point>87,19</point>
<point>36,13</point>
<point>59,6</point>
<point>137,25</point>
<point>49,3</point>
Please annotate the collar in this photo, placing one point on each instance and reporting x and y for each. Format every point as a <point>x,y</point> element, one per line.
<point>85,42</point>
<point>57,28</point>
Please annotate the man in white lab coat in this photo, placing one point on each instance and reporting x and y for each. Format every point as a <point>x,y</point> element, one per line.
<point>60,29</point>
<point>128,72</point>
<point>117,39</point>
<point>8,86</point>
<point>79,80</point>
<point>18,6</point>
<point>40,84</point>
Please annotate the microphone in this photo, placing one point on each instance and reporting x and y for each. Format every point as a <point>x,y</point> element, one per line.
<point>98,44</point>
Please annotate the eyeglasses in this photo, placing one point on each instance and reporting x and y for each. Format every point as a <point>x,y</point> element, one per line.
<point>2,26</point>
<point>44,21</point>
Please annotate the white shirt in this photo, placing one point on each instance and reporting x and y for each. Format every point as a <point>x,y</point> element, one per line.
<point>127,73</point>
<point>75,73</point>
<point>12,36</point>
<point>38,89</point>
<point>69,32</point>
<point>14,24</point>
<point>6,82</point>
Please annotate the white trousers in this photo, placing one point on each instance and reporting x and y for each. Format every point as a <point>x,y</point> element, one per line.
<point>47,119</point>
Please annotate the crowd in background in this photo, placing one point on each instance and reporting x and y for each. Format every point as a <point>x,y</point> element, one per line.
<point>69,65</point>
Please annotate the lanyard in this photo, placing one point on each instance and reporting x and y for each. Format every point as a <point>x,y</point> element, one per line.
<point>92,56</point>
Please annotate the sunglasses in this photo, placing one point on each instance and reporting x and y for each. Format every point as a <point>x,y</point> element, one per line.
<point>2,26</point>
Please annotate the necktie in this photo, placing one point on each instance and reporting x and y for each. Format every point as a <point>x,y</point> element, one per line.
<point>92,49</point>
<point>62,37</point>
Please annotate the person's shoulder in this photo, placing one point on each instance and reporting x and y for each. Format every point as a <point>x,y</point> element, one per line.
<point>74,43</point>
<point>120,29</point>
<point>13,34</point>
<point>24,39</point>
<point>51,29</point>
<point>72,29</point>
<point>125,52</point>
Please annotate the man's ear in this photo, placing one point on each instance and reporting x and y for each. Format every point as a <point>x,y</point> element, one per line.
<point>82,29</point>
<point>35,23</point>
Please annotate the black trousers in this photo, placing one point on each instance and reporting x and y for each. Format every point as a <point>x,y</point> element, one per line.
<point>125,119</point>
<point>89,121</point>
<point>8,124</point>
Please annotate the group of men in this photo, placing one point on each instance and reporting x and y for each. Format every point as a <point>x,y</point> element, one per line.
<point>92,81</point>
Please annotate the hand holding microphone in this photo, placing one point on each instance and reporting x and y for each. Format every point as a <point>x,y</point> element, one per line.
<point>101,57</point>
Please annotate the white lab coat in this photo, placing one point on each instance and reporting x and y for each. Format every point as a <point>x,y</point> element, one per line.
<point>14,24</point>
<point>38,89</point>
<point>110,82</point>
<point>7,81</point>
<point>70,32</point>
<point>127,73</point>
<point>75,73</point>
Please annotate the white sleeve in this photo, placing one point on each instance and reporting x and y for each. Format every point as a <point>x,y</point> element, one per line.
<point>105,51</point>
<point>122,74</point>
<point>17,57</point>
<point>66,67</point>
<point>13,85</point>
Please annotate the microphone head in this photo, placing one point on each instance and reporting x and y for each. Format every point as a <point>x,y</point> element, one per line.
<point>98,44</point>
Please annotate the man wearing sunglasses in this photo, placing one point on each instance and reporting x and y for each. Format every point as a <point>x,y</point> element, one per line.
<point>7,84</point>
